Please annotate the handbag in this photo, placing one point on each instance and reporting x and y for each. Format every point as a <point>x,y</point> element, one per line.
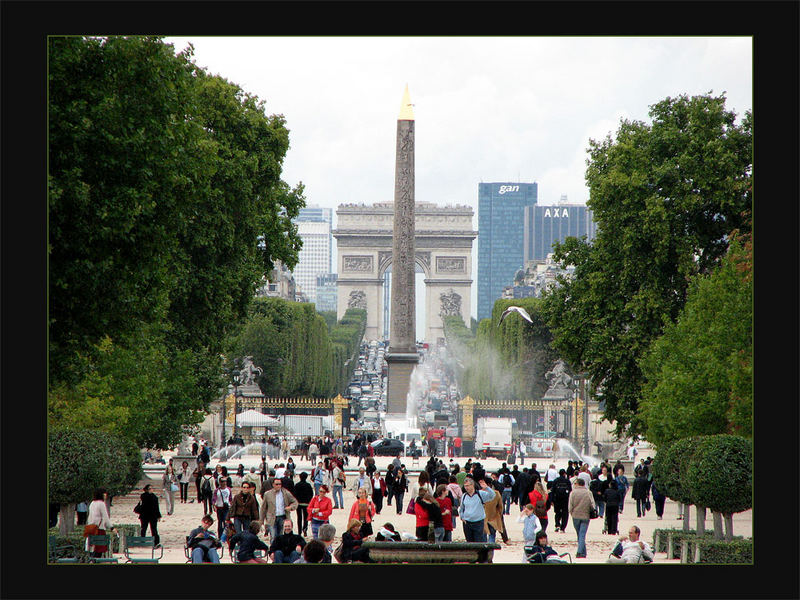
<point>138,508</point>
<point>338,554</point>
<point>593,514</point>
<point>174,487</point>
<point>411,505</point>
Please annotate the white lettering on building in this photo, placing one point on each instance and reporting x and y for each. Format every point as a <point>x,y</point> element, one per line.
<point>564,213</point>
<point>508,188</point>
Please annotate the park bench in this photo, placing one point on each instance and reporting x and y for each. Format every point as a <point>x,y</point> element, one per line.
<point>102,540</point>
<point>424,552</point>
<point>56,550</point>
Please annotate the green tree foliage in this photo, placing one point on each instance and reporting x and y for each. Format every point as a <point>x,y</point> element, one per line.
<point>503,361</point>
<point>166,207</point>
<point>670,465</point>
<point>290,341</point>
<point>699,372</point>
<point>719,475</point>
<point>665,197</point>
<point>79,461</point>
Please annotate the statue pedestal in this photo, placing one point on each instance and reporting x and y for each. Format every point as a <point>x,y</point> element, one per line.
<point>401,365</point>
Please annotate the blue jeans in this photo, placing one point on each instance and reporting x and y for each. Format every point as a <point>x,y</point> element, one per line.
<point>581,527</point>
<point>601,507</point>
<point>279,557</point>
<point>316,488</point>
<point>197,555</point>
<point>438,534</point>
<point>622,499</point>
<point>448,536</point>
<point>315,525</point>
<point>277,527</point>
<point>338,497</point>
<point>473,531</point>
<point>507,501</point>
<point>241,524</point>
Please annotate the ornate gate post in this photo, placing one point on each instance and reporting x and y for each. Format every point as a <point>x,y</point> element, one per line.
<point>467,408</point>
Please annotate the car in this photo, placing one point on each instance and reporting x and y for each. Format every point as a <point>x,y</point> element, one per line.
<point>388,447</point>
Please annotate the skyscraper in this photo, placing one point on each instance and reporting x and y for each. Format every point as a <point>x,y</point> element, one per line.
<point>314,257</point>
<point>501,215</point>
<point>547,224</point>
<point>317,214</point>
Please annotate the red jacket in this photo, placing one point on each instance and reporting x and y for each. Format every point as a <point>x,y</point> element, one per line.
<point>535,496</point>
<point>447,519</point>
<point>422,515</point>
<point>325,505</point>
<point>370,510</point>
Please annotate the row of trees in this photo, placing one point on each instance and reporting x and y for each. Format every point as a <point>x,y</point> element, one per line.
<point>297,350</point>
<point>166,208</point>
<point>711,472</point>
<point>505,360</point>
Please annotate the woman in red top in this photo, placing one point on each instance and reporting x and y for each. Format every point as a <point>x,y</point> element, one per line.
<point>363,509</point>
<point>446,504</point>
<point>319,510</point>
<point>422,520</point>
<point>539,493</point>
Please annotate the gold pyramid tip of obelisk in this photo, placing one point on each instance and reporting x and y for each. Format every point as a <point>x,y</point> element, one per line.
<point>406,112</point>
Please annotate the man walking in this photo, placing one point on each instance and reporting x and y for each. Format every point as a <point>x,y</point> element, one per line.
<point>580,504</point>
<point>276,507</point>
<point>559,493</point>
<point>244,507</point>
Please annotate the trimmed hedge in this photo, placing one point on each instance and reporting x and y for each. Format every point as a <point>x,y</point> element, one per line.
<point>670,466</point>
<point>707,542</point>
<point>678,535</point>
<point>736,552</point>
<point>719,475</point>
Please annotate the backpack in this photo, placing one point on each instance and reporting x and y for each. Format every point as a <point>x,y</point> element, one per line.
<point>507,480</point>
<point>540,510</point>
<point>205,488</point>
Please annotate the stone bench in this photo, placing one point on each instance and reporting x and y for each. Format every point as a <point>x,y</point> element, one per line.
<point>424,552</point>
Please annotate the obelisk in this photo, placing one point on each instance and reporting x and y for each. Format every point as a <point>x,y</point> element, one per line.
<point>402,355</point>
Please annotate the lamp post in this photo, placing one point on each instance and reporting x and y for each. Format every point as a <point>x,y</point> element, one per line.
<point>236,374</point>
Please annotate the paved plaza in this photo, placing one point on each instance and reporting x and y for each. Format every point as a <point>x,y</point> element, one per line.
<point>174,528</point>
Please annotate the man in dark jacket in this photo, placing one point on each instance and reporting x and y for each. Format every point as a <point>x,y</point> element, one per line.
<point>641,489</point>
<point>612,498</point>
<point>287,547</point>
<point>248,543</point>
<point>559,494</point>
<point>524,486</point>
<point>303,492</point>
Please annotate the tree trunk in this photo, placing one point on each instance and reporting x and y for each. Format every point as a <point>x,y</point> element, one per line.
<point>701,520</point>
<point>717,525</point>
<point>728,527</point>
<point>687,516</point>
<point>66,519</point>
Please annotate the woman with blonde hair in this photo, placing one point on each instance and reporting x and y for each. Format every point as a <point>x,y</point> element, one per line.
<point>363,509</point>
<point>539,499</point>
<point>351,543</point>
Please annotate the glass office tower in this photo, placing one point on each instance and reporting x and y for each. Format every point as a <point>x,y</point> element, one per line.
<point>501,232</point>
<point>547,224</point>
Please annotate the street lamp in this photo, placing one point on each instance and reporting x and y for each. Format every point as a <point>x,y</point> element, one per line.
<point>235,375</point>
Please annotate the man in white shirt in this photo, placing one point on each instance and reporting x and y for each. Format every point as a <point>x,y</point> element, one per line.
<point>631,550</point>
<point>632,452</point>
<point>280,471</point>
<point>522,451</point>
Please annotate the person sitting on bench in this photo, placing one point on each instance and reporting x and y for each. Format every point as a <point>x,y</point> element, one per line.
<point>541,553</point>
<point>204,543</point>
<point>631,550</point>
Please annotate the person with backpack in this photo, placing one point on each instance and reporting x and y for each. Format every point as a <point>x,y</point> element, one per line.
<point>559,494</point>
<point>507,479</point>
<point>539,498</point>
<point>206,490</point>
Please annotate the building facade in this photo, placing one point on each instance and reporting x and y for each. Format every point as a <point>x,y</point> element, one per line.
<point>547,224</point>
<point>314,258</point>
<point>501,232</point>
<point>279,284</point>
<point>326,292</point>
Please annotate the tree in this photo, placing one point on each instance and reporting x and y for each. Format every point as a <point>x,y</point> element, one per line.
<point>665,198</point>
<point>166,208</point>
<point>669,468</point>
<point>719,475</point>
<point>699,372</point>
<point>83,460</point>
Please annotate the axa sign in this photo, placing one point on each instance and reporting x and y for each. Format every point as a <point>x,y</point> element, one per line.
<point>508,188</point>
<point>563,213</point>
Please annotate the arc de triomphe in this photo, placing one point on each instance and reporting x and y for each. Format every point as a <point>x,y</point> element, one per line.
<point>443,247</point>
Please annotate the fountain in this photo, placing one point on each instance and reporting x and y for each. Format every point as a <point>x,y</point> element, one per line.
<point>566,450</point>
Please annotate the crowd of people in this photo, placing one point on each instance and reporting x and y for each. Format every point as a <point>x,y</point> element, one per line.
<point>281,502</point>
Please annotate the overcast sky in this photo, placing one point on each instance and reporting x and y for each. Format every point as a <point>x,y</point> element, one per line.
<point>486,108</point>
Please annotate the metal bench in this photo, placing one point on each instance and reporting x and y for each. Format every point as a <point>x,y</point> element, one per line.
<point>55,549</point>
<point>424,552</point>
<point>144,542</point>
<point>102,540</point>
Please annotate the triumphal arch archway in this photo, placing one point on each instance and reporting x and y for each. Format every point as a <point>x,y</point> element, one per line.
<point>443,250</point>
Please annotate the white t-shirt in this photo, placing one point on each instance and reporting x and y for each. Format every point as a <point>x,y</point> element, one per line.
<point>279,472</point>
